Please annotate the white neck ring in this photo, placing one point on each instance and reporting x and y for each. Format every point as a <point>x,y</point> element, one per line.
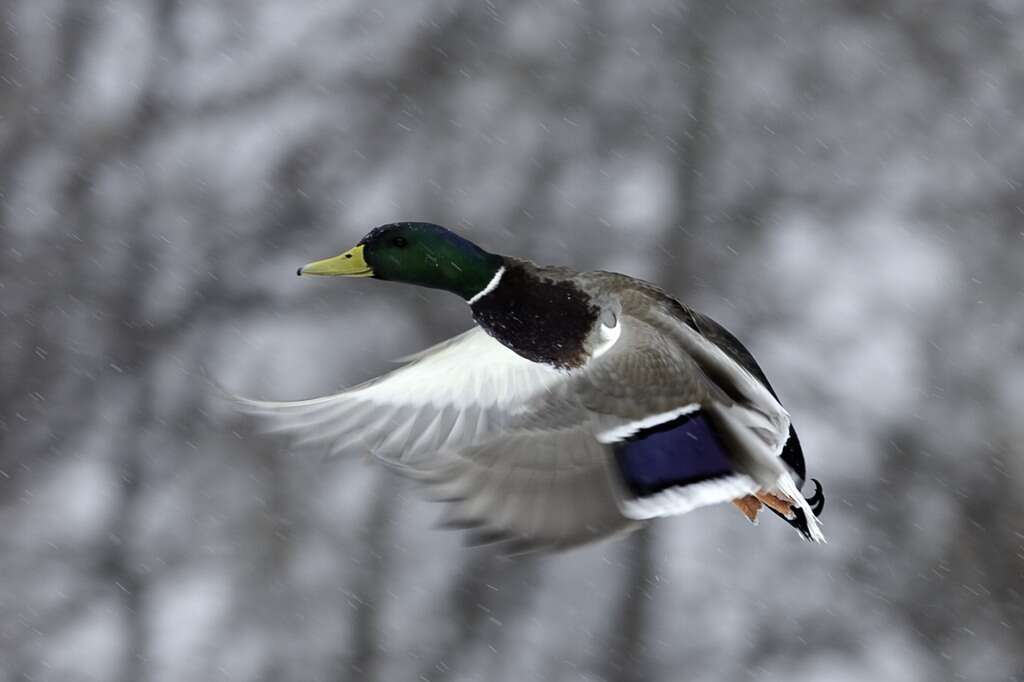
<point>491,286</point>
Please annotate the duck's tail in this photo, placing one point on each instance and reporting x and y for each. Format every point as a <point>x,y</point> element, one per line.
<point>789,505</point>
<point>815,504</point>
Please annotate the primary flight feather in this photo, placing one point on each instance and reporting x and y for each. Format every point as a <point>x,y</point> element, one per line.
<point>581,405</point>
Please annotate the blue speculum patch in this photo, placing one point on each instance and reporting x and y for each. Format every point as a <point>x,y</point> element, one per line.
<point>681,452</point>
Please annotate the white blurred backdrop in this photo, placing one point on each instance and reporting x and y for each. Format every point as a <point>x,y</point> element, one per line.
<point>839,182</point>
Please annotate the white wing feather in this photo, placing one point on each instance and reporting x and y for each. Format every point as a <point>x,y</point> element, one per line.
<point>448,397</point>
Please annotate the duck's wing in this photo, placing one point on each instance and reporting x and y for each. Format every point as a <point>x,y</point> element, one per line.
<point>792,454</point>
<point>456,418</point>
<point>529,491</point>
<point>689,424</point>
<point>464,391</point>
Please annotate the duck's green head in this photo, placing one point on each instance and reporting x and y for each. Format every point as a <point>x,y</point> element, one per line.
<point>415,253</point>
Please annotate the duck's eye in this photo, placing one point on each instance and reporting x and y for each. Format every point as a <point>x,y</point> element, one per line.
<point>400,242</point>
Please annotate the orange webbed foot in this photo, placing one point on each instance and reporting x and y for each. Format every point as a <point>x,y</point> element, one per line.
<point>750,506</point>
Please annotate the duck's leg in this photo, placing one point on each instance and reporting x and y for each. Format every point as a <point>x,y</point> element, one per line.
<point>781,505</point>
<point>749,505</point>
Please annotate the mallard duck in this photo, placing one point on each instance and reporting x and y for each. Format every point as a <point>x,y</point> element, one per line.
<point>581,405</point>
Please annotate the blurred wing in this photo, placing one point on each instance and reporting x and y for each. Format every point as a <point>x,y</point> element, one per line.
<point>454,395</point>
<point>533,491</point>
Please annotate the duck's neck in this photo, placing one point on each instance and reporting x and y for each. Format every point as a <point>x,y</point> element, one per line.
<point>469,272</point>
<point>544,319</point>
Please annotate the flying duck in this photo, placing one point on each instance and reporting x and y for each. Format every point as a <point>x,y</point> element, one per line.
<point>581,405</point>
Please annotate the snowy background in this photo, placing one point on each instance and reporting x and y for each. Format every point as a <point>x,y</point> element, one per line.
<point>839,182</point>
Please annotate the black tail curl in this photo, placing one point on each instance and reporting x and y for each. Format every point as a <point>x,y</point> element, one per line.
<point>817,500</point>
<point>817,504</point>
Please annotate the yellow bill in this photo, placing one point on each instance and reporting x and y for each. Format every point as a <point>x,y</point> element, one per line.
<point>349,264</point>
